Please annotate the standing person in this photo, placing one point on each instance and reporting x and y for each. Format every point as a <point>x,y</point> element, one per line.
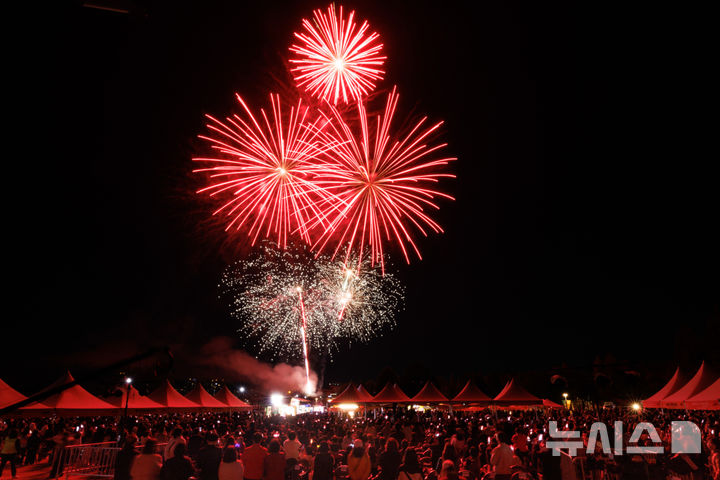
<point>324,464</point>
<point>253,458</point>
<point>274,462</point>
<point>292,447</point>
<point>390,460</point>
<point>175,439</point>
<point>125,458</point>
<point>448,471</point>
<point>231,468</point>
<point>148,464</point>
<point>179,467</point>
<point>358,462</point>
<point>502,458</point>
<point>208,458</point>
<point>9,452</point>
<point>410,468</point>
<point>33,445</point>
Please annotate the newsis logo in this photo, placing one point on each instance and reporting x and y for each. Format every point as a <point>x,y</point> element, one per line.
<point>686,438</point>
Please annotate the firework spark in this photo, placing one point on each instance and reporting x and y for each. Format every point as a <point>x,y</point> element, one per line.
<point>381,183</point>
<point>335,59</point>
<point>264,174</point>
<point>289,301</point>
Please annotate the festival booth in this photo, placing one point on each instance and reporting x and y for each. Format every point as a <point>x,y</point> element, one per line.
<point>134,402</point>
<point>73,401</point>
<point>225,396</point>
<point>171,399</point>
<point>390,394</point>
<point>8,395</point>
<point>206,401</point>
<point>351,399</point>
<point>708,399</point>
<point>675,383</point>
<point>429,394</point>
<point>516,397</point>
<point>471,398</point>
<point>550,404</point>
<point>702,380</point>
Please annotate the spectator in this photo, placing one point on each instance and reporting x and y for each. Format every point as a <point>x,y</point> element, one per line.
<point>358,462</point>
<point>9,452</point>
<point>178,467</point>
<point>324,463</point>
<point>175,439</point>
<point>390,460</point>
<point>208,458</point>
<point>253,459</point>
<point>274,462</point>
<point>292,447</point>
<point>502,458</point>
<point>410,468</point>
<point>231,468</point>
<point>148,464</point>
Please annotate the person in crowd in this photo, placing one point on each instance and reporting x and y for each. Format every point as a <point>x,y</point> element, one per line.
<point>253,458</point>
<point>410,468</point>
<point>178,467</point>
<point>358,462</point>
<point>176,439</point>
<point>231,468</point>
<point>390,460</point>
<point>502,458</point>
<point>448,471</point>
<point>208,458</point>
<point>324,464</point>
<point>148,464</point>
<point>292,447</point>
<point>448,453</point>
<point>274,462</point>
<point>9,452</point>
<point>125,458</point>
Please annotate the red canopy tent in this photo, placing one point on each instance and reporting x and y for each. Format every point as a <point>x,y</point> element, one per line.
<point>136,401</point>
<point>8,395</point>
<point>200,396</point>
<point>168,397</point>
<point>702,379</point>
<point>429,394</point>
<point>391,394</point>
<point>675,383</point>
<point>471,394</point>
<point>226,397</point>
<point>74,400</point>
<point>364,394</point>
<point>550,404</point>
<point>350,395</point>
<point>708,399</point>
<point>515,395</point>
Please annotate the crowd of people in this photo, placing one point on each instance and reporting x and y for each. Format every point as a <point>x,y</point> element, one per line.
<point>392,444</point>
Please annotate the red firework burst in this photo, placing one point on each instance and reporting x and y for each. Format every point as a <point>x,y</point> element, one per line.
<point>384,183</point>
<point>266,171</point>
<point>337,60</point>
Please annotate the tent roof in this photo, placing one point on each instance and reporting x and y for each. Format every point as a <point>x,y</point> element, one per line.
<point>136,401</point>
<point>8,395</point>
<point>550,404</point>
<point>391,394</point>
<point>364,394</point>
<point>514,394</point>
<point>471,393</point>
<point>429,393</point>
<point>672,386</point>
<point>708,399</point>
<point>167,396</point>
<point>73,398</point>
<point>200,396</point>
<point>227,397</point>
<point>702,379</point>
<point>349,395</point>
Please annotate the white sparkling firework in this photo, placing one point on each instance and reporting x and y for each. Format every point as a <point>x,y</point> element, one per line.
<point>342,304</point>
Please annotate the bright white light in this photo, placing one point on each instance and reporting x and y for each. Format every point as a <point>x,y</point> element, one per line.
<point>128,380</point>
<point>348,406</point>
<point>636,406</point>
<point>276,399</point>
<point>241,389</point>
<point>339,64</point>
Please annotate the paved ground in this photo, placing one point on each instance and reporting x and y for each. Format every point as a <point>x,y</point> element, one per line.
<point>39,471</point>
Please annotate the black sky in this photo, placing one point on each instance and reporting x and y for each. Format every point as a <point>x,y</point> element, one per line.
<point>586,220</point>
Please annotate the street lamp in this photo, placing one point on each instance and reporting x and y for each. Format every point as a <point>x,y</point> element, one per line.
<point>128,382</point>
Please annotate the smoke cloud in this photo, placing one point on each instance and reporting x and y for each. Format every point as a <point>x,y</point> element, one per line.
<point>239,365</point>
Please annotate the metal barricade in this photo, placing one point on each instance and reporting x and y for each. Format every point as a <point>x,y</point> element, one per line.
<point>90,460</point>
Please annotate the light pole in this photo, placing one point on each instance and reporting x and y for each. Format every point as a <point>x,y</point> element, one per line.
<point>128,382</point>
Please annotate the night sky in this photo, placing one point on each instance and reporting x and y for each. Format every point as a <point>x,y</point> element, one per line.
<point>586,219</point>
